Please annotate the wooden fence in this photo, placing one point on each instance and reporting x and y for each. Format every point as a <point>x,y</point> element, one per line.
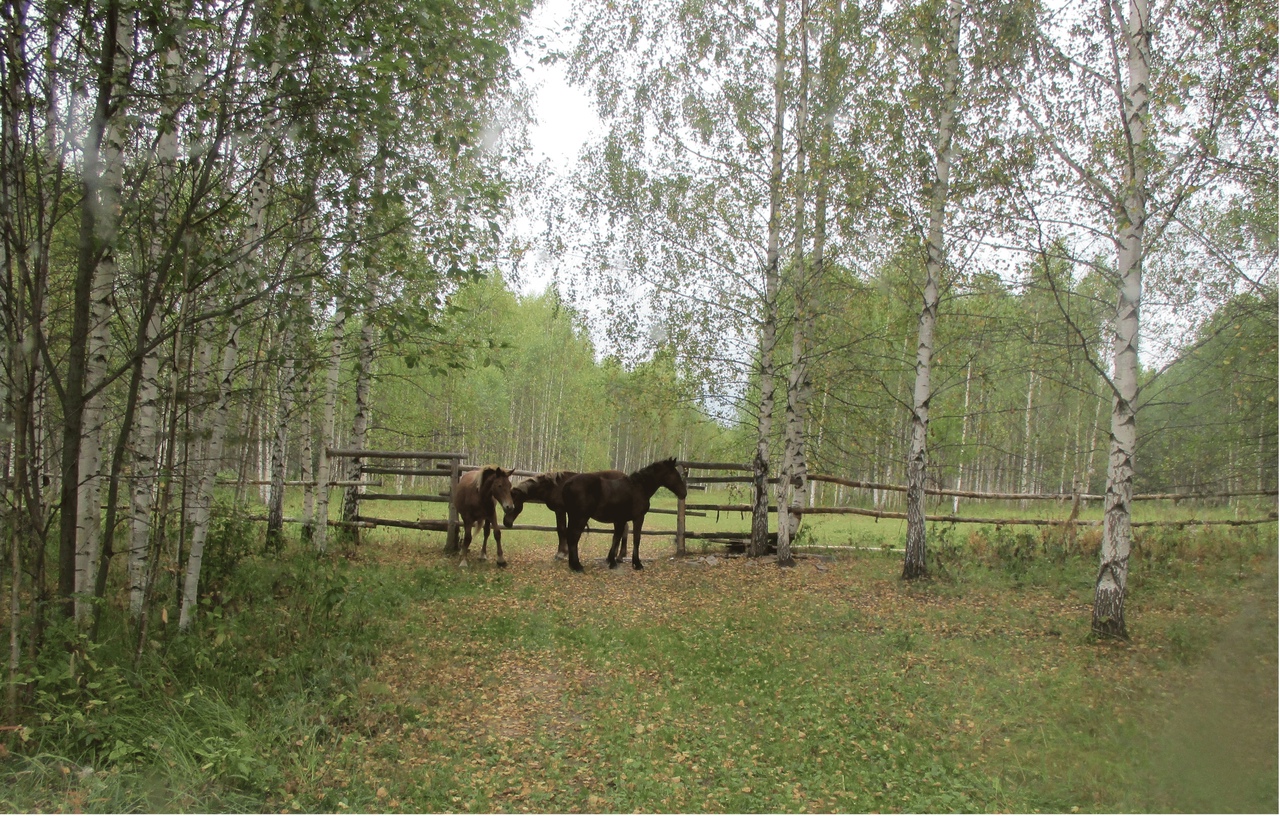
<point>450,465</point>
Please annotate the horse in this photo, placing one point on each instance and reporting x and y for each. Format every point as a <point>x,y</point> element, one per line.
<point>474,497</point>
<point>545,488</point>
<point>618,501</point>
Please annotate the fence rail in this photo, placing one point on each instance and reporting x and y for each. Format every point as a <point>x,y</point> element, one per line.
<point>974,494</point>
<point>455,468</point>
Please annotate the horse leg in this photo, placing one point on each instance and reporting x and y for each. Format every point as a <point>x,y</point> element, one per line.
<point>562,535</point>
<point>466,540</point>
<point>635,546</point>
<point>484,545</point>
<point>497,543</point>
<point>622,549</point>
<point>619,538</point>
<point>573,533</point>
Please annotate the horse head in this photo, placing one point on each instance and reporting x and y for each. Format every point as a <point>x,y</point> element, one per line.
<point>496,482</point>
<point>669,477</point>
<point>517,504</point>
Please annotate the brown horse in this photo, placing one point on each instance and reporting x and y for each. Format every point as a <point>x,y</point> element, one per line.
<point>545,488</point>
<point>617,501</point>
<point>474,497</point>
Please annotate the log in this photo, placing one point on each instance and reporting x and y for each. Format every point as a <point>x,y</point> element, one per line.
<point>406,471</point>
<point>714,466</point>
<point>375,454</point>
<point>971,494</point>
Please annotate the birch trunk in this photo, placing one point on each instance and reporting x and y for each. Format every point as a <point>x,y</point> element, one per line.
<point>106,222</point>
<point>280,448</point>
<point>364,357</point>
<point>1091,462</point>
<point>1117,532</point>
<point>146,461</point>
<point>202,500</point>
<point>793,473</point>
<point>279,453</point>
<point>324,468</point>
<point>89,501</point>
<point>306,469</point>
<point>964,435</point>
<point>1025,484</point>
<point>147,441</point>
<point>360,420</point>
<point>914,565</point>
<point>769,318</point>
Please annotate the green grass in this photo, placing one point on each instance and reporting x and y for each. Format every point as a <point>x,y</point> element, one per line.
<point>393,679</point>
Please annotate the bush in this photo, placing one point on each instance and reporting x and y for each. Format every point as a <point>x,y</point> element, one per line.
<point>231,540</point>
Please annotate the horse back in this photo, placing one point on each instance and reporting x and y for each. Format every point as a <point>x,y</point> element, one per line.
<point>603,498</point>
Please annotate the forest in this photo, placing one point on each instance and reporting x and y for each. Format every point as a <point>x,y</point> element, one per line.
<point>1016,256</point>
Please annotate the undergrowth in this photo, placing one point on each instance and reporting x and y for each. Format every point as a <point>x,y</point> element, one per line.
<point>220,718</point>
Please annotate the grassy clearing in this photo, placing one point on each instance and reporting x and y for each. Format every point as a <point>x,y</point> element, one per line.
<point>394,679</point>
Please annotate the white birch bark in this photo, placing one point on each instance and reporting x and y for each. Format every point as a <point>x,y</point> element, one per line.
<point>306,469</point>
<point>1117,532</point>
<point>202,501</point>
<point>1025,483</point>
<point>106,225</point>
<point>145,452</point>
<point>287,386</point>
<point>324,469</point>
<point>280,447</point>
<point>259,195</point>
<point>364,358</point>
<point>769,309</point>
<point>146,460</point>
<point>964,436</point>
<point>917,457</point>
<point>1091,462</point>
<point>360,418</point>
<point>792,473</point>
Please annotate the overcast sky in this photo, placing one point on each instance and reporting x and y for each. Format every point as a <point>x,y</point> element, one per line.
<point>565,118</point>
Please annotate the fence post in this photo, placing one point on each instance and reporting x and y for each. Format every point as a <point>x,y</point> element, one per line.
<point>684,474</point>
<point>451,537</point>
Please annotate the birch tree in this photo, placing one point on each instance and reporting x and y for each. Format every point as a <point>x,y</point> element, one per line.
<point>768,328</point>
<point>95,270</point>
<point>1133,172</point>
<point>260,192</point>
<point>914,565</point>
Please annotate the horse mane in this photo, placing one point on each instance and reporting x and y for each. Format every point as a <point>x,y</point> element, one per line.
<point>653,467</point>
<point>485,470</point>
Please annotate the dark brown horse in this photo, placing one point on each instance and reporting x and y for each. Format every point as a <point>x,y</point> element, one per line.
<point>545,488</point>
<point>474,497</point>
<point>618,501</point>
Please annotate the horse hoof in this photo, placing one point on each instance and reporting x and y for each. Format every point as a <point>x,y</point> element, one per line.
<point>502,563</point>
<point>638,565</point>
<point>613,565</point>
<point>577,568</point>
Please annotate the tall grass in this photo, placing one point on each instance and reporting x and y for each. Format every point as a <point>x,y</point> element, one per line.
<point>222,718</point>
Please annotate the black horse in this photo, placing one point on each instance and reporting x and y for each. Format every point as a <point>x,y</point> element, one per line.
<point>617,501</point>
<point>545,488</point>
